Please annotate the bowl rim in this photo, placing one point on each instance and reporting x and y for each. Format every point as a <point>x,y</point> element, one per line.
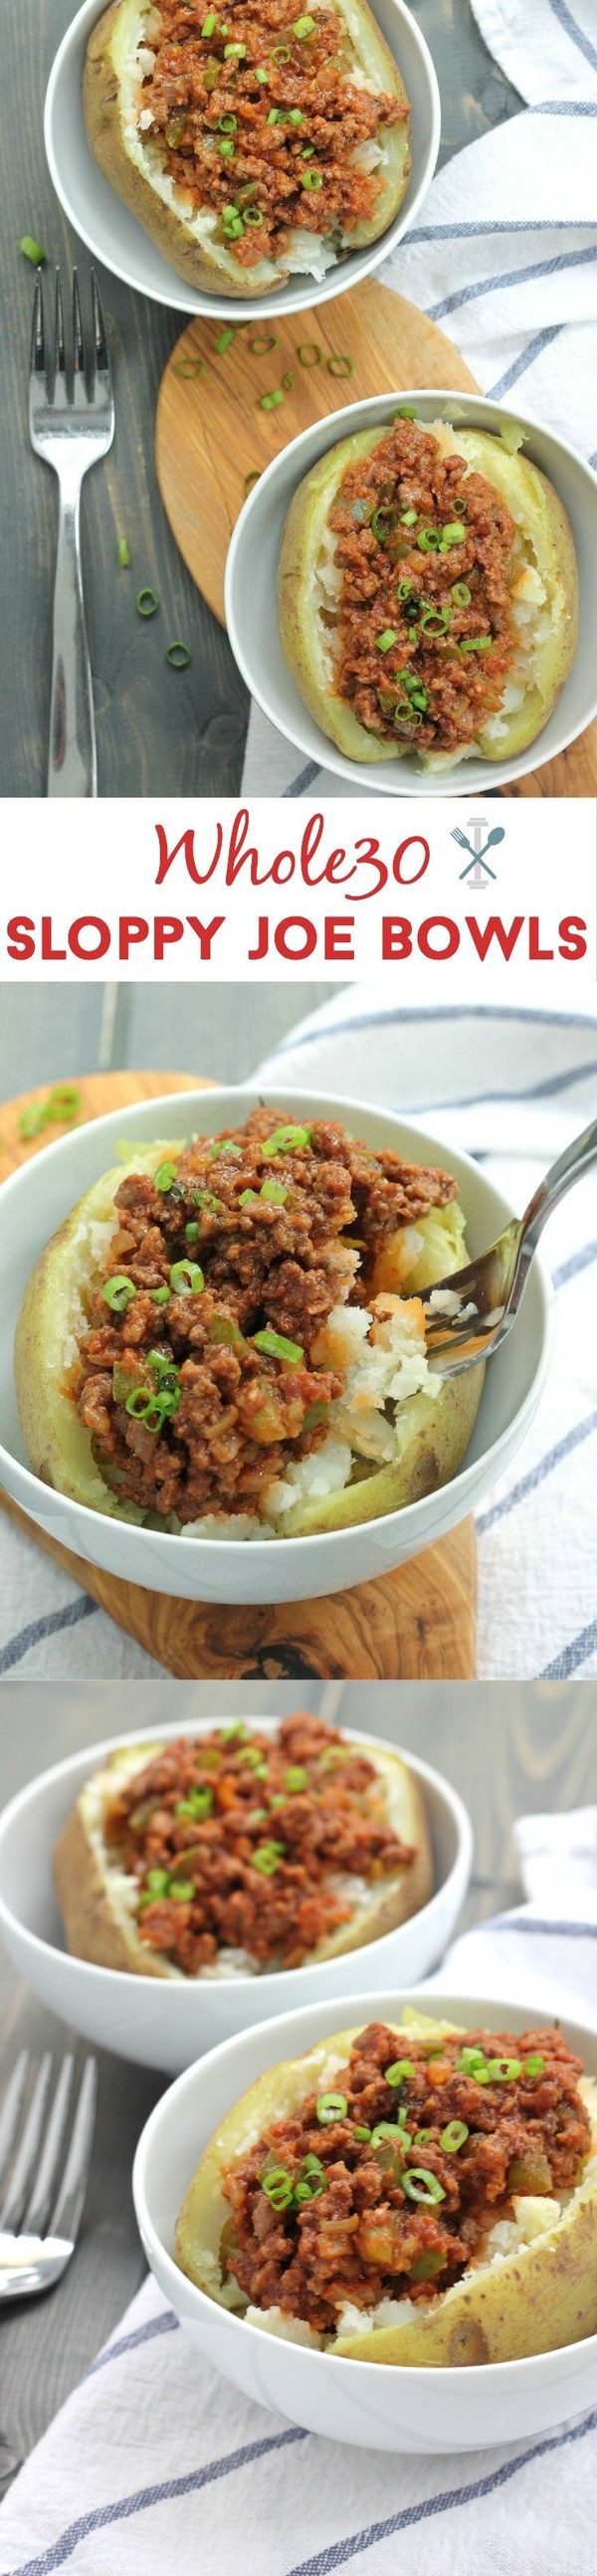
<point>338,280</point>
<point>347,1107</point>
<point>370,410</point>
<point>34,1790</point>
<point>429,1995</point>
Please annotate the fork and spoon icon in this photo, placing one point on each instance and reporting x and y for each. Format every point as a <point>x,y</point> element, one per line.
<point>478,856</point>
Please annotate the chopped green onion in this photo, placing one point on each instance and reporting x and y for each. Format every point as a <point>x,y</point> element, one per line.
<point>534,2065</point>
<point>277,2186</point>
<point>276,115</point>
<point>281,53</point>
<point>385,641</point>
<point>475,644</point>
<point>311,179</point>
<point>288,381</point>
<point>388,2129</point>
<point>269,402</point>
<point>159,1296</point>
<point>421,2137</point>
<point>186,1279</point>
<point>309,354</point>
<point>198,1804</point>
<point>315,1413</point>
<point>295,116</point>
<point>235,1732</point>
<point>189,367</point>
<point>268,1858</point>
<point>435,617</point>
<point>453,2137</point>
<point>212,72</point>
<point>227,152</point>
<point>182,1890</point>
<point>382,525</point>
<point>224,1145</point>
<point>429,541</point>
<point>296,1778</point>
<point>191,1230</point>
<point>303,27</point>
<point>453,534</point>
<point>426,2266</point>
<point>364,2136</point>
<point>405,412</point>
<point>157,1882</point>
<point>252,1755</point>
<point>278,1348</point>
<point>118,1292</point>
<point>404,587</point>
<point>224,1329</point>
<point>250,479</point>
<point>165,1176</point>
<point>247,1197</point>
<point>32,250</point>
<point>409,518</point>
<point>461,594</point>
<point>420,2185</point>
<point>286,1140</point>
<point>178,655</point>
<point>32,1119</point>
<point>262,342</point>
<point>502,2070</point>
<point>260,74</point>
<point>227,125</point>
<point>124,554</point>
<point>233,49</point>
<point>147,601</point>
<point>340,365</point>
<point>274,1192</point>
<point>330,2107</point>
<point>398,2073</point>
<point>209,26</point>
<point>469,2059</point>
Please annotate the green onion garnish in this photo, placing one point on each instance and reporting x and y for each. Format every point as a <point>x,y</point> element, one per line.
<point>286,1140</point>
<point>262,342</point>
<point>534,2065</point>
<point>233,49</point>
<point>420,2185</point>
<point>268,1858</point>
<point>227,125</point>
<point>398,2073</point>
<point>281,53</point>
<point>311,179</point>
<point>296,1778</point>
<point>453,2137</point>
<point>182,1890</point>
<point>250,479</point>
<point>209,26</point>
<point>408,518</point>
<point>309,354</point>
<point>118,1292</point>
<point>303,27</point>
<point>461,594</point>
<point>198,1804</point>
<point>389,2129</point>
<point>435,617</point>
<point>453,534</point>
<point>364,2136</point>
<point>191,1230</point>
<point>340,365</point>
<point>429,541</point>
<point>385,641</point>
<point>147,602</point>
<point>475,644</point>
<point>269,402</point>
<point>165,1176</point>
<point>278,1348</point>
<point>247,1197</point>
<point>274,1192</point>
<point>124,554</point>
<point>224,340</point>
<point>178,656</point>
<point>330,2107</point>
<point>186,1279</point>
<point>159,1296</point>
<point>32,250</point>
<point>277,2186</point>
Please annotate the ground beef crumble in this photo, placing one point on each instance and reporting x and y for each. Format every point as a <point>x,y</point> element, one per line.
<point>187,1414</point>
<point>361,2237</point>
<point>255,1828</point>
<point>413,528</point>
<point>258,120</point>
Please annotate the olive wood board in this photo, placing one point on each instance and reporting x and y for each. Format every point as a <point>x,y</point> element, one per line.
<point>415,1624</point>
<point>211,433</point>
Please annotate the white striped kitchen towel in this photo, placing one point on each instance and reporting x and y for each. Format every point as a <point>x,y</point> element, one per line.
<point>155,2463</point>
<point>504,258</point>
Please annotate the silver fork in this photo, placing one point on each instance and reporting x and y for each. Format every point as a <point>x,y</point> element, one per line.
<point>71,424</point>
<point>488,1292</point>
<point>43,2187</point>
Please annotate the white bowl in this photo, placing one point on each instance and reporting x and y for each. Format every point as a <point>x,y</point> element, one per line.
<point>255,641</point>
<point>114,235</point>
<point>38,1197</point>
<point>170,2026</point>
<point>374,2406</point>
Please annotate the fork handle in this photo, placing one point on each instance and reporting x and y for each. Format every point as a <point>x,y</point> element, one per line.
<point>72,766</point>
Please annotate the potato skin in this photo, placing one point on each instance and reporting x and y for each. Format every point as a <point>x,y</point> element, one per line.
<point>536,2300</point>
<point>210,270</point>
<point>306,645</point>
<point>434,1432</point>
<point>96,1930</point>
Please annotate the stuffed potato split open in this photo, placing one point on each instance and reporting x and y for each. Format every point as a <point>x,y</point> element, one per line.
<point>252,146</point>
<point>228,1337</point>
<point>428,594</point>
<point>410,2193</point>
<point>241,1851</point>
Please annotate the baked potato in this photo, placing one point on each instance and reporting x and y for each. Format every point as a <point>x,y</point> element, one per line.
<point>428,594</point>
<point>465,2241</point>
<point>207,1344</point>
<point>249,153</point>
<point>290,1902</point>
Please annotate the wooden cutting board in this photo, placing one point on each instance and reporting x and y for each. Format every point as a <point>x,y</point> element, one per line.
<point>417,1624</point>
<point>211,432</point>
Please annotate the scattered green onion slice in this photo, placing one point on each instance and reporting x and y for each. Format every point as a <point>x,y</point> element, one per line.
<point>340,364</point>
<point>309,354</point>
<point>330,2107</point>
<point>286,1140</point>
<point>453,2137</point>
<point>461,594</point>
<point>409,518</point>
<point>384,642</point>
<point>227,152</point>
<point>178,655</point>
<point>288,380</point>
<point>189,367</point>
<point>534,2065</point>
<point>296,1778</point>
<point>421,2137</point>
<point>198,1803</point>
<point>429,541</point>
<point>398,2073</point>
<point>32,250</point>
<point>234,49</point>
<point>281,53</point>
<point>262,342</point>
<point>303,27</point>
<point>420,2185</point>
<point>250,479</point>
<point>182,1890</point>
<point>388,2129</point>
<point>224,1329</point>
<point>364,2136</point>
<point>503,2070</point>
<point>224,1145</point>
<point>311,179</point>
<point>295,116</point>
<point>63,1103</point>
<point>186,1279</point>
<point>274,1192</point>
<point>268,1858</point>
<point>124,554</point>
<point>227,125</point>
<point>165,1176</point>
<point>157,1882</point>
<point>269,402</point>
<point>191,1230</point>
<point>435,617</point>
<point>475,644</point>
<point>147,601</point>
<point>404,587</point>
<point>277,2185</point>
<point>260,74</point>
<point>453,534</point>
<point>278,1348</point>
<point>315,1413</point>
<point>32,1119</point>
<point>209,26</point>
<point>118,1293</point>
<point>427,2265</point>
<point>159,1296</point>
<point>248,1197</point>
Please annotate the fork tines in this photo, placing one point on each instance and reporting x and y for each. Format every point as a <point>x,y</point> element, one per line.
<point>86,364</point>
<point>38,2180</point>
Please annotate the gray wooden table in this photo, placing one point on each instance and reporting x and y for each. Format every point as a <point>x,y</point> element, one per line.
<point>509,1751</point>
<point>158,731</point>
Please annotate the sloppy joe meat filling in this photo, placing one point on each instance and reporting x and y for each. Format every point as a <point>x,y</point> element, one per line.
<point>427,636</point>
<point>237,1839</point>
<point>197,1379</point>
<point>386,2184</point>
<point>258,120</point>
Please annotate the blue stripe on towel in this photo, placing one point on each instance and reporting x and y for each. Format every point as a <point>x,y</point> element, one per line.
<point>49,1627</point>
<point>511,277</point>
<point>572,29</point>
<point>397,1018</point>
<point>449,2498</point>
<point>546,1466</point>
<point>577,1652</point>
<point>126,2507</point>
<point>165,2323</point>
<point>519,367</point>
